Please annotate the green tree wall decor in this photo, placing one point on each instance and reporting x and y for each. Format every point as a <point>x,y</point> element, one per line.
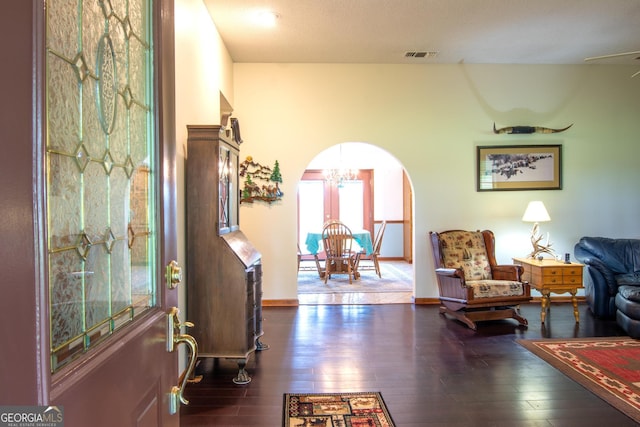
<point>261,183</point>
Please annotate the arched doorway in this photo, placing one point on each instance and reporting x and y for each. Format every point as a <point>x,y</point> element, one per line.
<point>374,189</point>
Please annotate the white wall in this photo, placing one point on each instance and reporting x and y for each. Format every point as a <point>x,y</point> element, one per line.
<point>203,70</point>
<point>432,118</point>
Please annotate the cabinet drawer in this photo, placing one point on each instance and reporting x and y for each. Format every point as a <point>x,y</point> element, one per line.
<point>572,280</point>
<point>552,280</point>
<point>562,272</point>
<point>572,271</point>
<point>554,271</point>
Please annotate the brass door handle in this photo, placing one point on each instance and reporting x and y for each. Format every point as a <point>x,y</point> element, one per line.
<point>175,338</point>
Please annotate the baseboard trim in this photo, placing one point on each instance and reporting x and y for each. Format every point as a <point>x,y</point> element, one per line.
<point>417,301</point>
<point>426,301</point>
<point>280,303</point>
<point>535,300</point>
<point>393,258</point>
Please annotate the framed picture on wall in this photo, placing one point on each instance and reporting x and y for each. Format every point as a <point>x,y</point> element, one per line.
<point>519,167</point>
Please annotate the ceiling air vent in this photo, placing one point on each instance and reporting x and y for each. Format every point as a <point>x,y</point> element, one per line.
<point>420,54</point>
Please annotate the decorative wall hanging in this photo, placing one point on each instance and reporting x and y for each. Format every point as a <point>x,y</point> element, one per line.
<point>527,129</point>
<point>260,182</point>
<point>519,167</point>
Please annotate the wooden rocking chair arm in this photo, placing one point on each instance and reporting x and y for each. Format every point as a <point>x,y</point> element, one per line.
<point>450,272</point>
<point>507,272</point>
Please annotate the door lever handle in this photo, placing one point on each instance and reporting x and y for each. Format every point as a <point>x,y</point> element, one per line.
<point>175,338</point>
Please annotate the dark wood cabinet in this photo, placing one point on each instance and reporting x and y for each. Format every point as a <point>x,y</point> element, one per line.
<point>224,270</point>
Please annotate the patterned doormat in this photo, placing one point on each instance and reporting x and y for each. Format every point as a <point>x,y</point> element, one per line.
<point>608,367</point>
<point>336,410</point>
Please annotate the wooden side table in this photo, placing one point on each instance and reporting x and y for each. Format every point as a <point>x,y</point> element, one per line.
<point>550,275</point>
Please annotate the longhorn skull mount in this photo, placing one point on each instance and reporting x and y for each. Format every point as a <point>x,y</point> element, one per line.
<point>527,129</point>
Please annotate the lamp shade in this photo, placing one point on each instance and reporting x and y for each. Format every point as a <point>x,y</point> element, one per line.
<point>536,212</point>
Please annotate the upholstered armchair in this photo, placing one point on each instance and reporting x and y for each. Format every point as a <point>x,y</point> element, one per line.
<point>472,286</point>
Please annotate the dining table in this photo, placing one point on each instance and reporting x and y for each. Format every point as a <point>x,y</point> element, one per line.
<point>362,238</point>
<point>314,239</point>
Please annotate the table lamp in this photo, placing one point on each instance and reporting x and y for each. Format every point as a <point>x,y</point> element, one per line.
<point>536,212</point>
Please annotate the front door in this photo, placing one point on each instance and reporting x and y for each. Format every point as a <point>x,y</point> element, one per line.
<point>104,215</point>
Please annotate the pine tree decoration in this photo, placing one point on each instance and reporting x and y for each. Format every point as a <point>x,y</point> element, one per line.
<point>275,175</point>
<point>248,185</point>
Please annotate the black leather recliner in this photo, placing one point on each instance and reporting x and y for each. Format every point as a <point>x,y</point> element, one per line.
<point>612,279</point>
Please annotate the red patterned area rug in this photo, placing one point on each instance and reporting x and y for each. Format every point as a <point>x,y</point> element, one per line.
<point>335,410</point>
<point>608,367</point>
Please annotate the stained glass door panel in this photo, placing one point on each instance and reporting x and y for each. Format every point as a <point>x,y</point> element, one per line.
<point>107,307</point>
<point>99,162</point>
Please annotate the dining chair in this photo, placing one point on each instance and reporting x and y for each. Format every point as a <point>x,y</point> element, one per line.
<point>303,262</point>
<point>337,240</point>
<point>373,256</point>
<point>330,221</point>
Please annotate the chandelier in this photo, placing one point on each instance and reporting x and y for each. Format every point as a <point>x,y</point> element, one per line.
<point>340,175</point>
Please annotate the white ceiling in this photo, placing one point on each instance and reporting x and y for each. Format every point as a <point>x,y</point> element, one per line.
<point>469,31</point>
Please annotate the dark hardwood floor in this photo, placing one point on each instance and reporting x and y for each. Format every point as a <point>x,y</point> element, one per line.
<point>431,371</point>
